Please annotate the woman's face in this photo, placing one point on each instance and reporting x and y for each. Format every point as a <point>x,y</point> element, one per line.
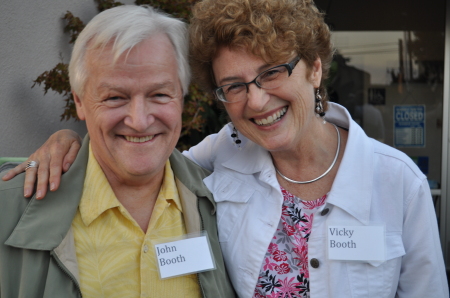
<point>276,119</point>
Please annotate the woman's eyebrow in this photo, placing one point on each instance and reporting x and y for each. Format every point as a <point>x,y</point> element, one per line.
<point>231,79</point>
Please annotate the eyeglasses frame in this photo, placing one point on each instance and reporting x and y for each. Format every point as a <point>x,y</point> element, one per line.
<point>289,66</point>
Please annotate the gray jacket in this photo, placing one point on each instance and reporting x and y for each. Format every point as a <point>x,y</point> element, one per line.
<point>37,251</point>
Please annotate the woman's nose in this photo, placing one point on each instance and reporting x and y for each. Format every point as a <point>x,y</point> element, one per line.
<point>257,97</point>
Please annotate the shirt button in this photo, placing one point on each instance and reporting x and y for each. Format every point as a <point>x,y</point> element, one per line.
<point>325,211</point>
<point>314,263</point>
<point>145,248</point>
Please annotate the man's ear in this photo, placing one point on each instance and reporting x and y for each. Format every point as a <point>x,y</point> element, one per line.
<point>316,74</point>
<point>79,105</point>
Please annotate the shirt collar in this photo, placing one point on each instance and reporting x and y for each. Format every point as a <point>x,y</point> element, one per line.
<point>99,197</point>
<point>169,190</point>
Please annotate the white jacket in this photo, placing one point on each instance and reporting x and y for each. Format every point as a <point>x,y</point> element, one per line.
<point>374,184</point>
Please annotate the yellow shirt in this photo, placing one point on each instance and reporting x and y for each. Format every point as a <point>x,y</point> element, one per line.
<point>115,257</point>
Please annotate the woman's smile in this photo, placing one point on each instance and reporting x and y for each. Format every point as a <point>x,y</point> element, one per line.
<point>267,121</point>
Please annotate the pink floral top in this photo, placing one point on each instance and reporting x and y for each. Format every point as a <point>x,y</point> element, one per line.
<point>284,272</point>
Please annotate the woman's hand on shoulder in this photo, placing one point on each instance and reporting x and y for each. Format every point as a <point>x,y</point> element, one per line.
<point>53,159</point>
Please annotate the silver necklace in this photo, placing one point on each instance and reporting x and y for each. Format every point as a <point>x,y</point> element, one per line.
<point>326,172</point>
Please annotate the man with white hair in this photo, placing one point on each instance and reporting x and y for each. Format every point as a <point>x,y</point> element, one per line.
<point>128,188</point>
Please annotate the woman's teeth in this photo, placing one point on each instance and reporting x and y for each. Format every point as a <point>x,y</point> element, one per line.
<point>138,140</point>
<point>272,119</point>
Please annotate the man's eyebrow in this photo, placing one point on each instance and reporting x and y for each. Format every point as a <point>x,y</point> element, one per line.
<point>153,85</point>
<point>164,84</point>
<point>234,79</point>
<point>109,86</point>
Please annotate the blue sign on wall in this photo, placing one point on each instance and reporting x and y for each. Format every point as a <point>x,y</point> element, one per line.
<point>409,126</point>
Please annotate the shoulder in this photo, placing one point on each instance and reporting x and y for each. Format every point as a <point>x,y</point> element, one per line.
<point>183,165</point>
<point>396,175</point>
<point>218,141</point>
<point>395,159</point>
<point>189,173</point>
<point>213,147</point>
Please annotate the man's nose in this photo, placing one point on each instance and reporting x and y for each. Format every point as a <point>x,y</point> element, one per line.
<point>139,116</point>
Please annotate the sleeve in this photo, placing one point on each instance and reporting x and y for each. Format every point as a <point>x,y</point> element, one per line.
<point>423,271</point>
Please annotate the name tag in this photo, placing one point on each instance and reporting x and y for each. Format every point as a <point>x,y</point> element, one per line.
<point>185,256</point>
<point>356,243</point>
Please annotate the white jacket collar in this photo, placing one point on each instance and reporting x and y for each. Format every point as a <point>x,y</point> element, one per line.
<point>359,150</point>
<point>355,168</point>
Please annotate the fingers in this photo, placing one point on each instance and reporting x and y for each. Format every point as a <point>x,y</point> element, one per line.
<point>56,156</point>
<point>71,155</point>
<point>42,173</point>
<point>13,172</point>
<point>30,179</point>
<point>55,167</point>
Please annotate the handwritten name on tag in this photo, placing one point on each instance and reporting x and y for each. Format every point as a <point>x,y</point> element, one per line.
<point>183,257</point>
<point>356,243</point>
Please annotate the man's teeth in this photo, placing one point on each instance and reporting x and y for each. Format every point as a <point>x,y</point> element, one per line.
<point>138,140</point>
<point>272,119</point>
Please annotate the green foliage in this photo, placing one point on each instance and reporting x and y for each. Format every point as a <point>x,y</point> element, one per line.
<point>178,8</point>
<point>74,26</point>
<point>106,4</point>
<point>201,116</point>
<point>57,79</point>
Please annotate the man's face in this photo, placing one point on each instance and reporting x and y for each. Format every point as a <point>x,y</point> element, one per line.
<point>132,109</point>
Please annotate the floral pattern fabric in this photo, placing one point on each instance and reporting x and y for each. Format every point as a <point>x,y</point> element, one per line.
<point>284,272</point>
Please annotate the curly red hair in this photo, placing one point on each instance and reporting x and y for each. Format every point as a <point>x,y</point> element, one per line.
<point>271,29</point>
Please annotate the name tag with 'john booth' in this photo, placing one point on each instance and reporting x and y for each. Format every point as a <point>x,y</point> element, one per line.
<point>356,243</point>
<point>184,256</point>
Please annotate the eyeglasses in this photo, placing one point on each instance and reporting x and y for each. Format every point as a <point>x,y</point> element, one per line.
<point>268,79</point>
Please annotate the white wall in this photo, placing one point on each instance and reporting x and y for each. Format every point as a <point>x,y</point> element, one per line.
<point>31,41</point>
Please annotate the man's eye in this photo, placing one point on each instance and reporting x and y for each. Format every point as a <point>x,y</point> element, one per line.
<point>114,98</point>
<point>161,98</point>
<point>115,101</point>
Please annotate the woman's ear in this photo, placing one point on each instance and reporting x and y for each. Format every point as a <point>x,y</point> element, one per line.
<point>79,106</point>
<point>316,74</point>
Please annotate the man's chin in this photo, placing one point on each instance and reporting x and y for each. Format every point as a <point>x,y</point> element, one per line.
<point>142,169</point>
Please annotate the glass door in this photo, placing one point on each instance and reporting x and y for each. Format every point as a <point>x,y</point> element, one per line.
<point>392,72</point>
<point>392,84</point>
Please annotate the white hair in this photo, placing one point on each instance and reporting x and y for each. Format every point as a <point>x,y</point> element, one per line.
<point>126,26</point>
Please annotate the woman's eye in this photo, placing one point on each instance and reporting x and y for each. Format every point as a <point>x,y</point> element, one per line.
<point>234,88</point>
<point>270,74</point>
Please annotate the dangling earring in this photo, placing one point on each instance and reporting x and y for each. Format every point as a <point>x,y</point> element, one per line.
<point>235,137</point>
<point>319,108</point>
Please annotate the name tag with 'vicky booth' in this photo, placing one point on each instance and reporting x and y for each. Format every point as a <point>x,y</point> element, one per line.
<point>356,243</point>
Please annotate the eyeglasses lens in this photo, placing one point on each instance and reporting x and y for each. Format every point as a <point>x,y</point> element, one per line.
<point>269,79</point>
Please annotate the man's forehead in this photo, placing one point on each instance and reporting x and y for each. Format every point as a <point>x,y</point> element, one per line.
<point>136,55</point>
